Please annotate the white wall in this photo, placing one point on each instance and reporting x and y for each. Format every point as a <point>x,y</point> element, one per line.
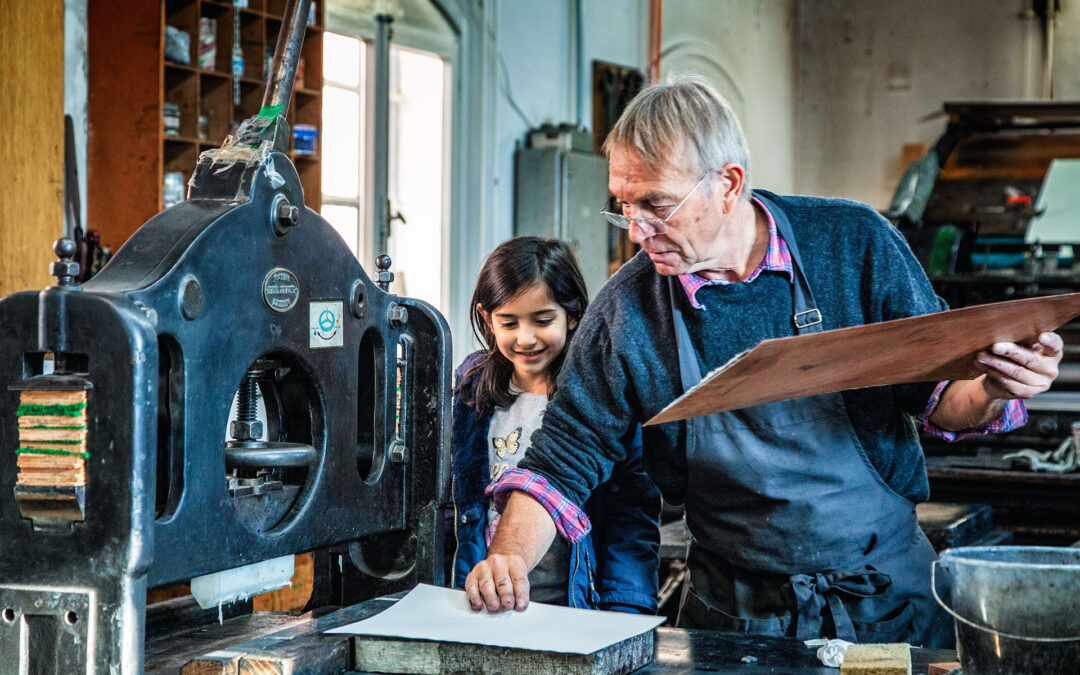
<point>746,48</point>
<point>871,73</point>
<point>1066,67</point>
<point>536,42</point>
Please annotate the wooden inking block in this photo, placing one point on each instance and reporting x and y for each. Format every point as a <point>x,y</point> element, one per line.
<point>877,659</point>
<point>52,438</point>
<point>943,668</point>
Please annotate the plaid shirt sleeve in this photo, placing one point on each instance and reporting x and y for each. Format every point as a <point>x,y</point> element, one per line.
<point>1013,416</point>
<point>570,521</point>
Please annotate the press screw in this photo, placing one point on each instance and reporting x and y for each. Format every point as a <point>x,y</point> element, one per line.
<point>246,426</point>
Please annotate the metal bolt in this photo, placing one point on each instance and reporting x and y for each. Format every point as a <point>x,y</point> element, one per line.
<point>384,276</point>
<point>398,315</point>
<point>243,430</point>
<point>288,215</point>
<point>65,270</point>
<point>399,454</point>
<point>285,216</point>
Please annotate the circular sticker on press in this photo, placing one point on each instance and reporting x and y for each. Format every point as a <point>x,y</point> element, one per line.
<point>281,290</point>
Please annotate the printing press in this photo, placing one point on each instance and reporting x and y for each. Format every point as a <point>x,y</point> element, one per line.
<point>990,213</point>
<point>231,390</point>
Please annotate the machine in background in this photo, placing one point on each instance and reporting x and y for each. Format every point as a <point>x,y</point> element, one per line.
<point>121,467</point>
<point>972,210</point>
<point>560,186</point>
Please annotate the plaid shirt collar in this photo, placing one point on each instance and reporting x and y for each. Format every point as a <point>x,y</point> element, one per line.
<point>777,259</point>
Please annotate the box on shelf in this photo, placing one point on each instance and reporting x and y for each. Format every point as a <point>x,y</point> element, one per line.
<point>305,137</point>
<point>207,42</point>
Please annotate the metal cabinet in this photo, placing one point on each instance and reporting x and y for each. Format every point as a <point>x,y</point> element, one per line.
<point>560,193</point>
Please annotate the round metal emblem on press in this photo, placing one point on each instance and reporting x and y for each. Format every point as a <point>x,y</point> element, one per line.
<point>281,290</point>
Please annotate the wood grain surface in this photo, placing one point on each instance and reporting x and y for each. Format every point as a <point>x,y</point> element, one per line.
<point>32,151</point>
<point>926,348</point>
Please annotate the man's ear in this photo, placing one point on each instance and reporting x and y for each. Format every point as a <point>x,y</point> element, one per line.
<point>733,178</point>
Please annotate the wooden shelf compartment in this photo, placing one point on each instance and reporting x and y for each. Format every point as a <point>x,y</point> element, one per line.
<point>128,151</point>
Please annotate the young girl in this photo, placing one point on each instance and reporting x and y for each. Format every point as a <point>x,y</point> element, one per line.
<point>528,301</point>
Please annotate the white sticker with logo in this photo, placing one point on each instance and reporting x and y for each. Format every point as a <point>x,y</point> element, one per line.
<point>325,323</point>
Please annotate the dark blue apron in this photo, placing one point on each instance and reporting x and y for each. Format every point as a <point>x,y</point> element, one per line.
<point>794,531</point>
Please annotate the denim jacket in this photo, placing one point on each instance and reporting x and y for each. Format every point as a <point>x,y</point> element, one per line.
<point>614,567</point>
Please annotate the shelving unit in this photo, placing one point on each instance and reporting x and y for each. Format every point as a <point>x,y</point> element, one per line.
<point>131,80</point>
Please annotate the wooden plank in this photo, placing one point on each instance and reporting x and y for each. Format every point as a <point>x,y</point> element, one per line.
<point>52,420</point>
<point>32,110</point>
<point>31,435</point>
<point>926,348</point>
<point>125,74</point>
<point>384,655</point>
<point>52,397</point>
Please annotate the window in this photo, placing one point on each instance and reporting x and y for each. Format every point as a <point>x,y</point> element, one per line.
<point>343,127</point>
<point>416,232</point>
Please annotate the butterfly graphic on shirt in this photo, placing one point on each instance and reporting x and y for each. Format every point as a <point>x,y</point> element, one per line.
<point>509,444</point>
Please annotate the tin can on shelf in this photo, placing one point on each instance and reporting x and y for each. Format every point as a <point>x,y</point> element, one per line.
<point>171,118</point>
<point>207,42</point>
<point>173,189</point>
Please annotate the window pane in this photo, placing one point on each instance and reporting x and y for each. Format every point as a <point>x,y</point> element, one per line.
<point>417,161</point>
<point>341,59</point>
<point>341,143</point>
<point>346,220</point>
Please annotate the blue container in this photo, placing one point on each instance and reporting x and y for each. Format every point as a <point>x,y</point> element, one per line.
<point>304,139</point>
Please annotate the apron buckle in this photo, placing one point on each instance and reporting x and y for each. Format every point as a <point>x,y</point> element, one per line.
<point>810,317</point>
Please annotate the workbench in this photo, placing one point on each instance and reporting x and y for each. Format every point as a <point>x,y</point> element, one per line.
<point>281,642</point>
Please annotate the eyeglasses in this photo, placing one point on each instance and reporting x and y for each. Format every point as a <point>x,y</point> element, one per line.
<point>651,227</point>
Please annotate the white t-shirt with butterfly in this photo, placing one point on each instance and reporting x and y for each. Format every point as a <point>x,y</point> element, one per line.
<point>509,434</point>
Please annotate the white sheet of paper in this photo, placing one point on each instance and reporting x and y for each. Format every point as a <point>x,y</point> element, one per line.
<point>1057,220</point>
<point>433,613</point>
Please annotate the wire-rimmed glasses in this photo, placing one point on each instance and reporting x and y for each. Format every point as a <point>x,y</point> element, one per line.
<point>650,226</point>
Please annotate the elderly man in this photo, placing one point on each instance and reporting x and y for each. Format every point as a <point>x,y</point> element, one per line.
<point>802,512</point>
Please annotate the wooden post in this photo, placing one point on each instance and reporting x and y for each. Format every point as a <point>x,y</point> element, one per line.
<point>31,141</point>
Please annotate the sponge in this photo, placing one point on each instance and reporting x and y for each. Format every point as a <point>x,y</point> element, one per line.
<point>877,659</point>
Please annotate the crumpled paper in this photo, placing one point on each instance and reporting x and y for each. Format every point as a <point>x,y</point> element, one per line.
<point>832,653</point>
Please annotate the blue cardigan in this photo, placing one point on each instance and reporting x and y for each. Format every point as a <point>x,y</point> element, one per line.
<point>615,567</point>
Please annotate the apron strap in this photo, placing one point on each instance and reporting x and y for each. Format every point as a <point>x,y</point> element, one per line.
<point>807,316</point>
<point>813,592</point>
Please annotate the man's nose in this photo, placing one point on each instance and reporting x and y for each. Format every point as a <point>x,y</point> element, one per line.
<point>637,233</point>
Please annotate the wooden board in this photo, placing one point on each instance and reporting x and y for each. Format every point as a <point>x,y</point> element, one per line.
<point>32,152</point>
<point>926,348</point>
<point>399,655</point>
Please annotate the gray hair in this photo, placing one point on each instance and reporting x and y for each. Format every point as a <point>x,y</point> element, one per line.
<point>685,108</point>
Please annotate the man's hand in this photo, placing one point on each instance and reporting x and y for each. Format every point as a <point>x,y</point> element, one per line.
<point>498,583</point>
<point>1020,371</point>
<point>1010,371</point>
<point>525,531</point>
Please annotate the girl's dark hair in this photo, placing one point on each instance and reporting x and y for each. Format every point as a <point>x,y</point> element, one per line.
<point>514,266</point>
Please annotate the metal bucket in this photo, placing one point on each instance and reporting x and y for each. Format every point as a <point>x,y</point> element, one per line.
<point>1017,608</point>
